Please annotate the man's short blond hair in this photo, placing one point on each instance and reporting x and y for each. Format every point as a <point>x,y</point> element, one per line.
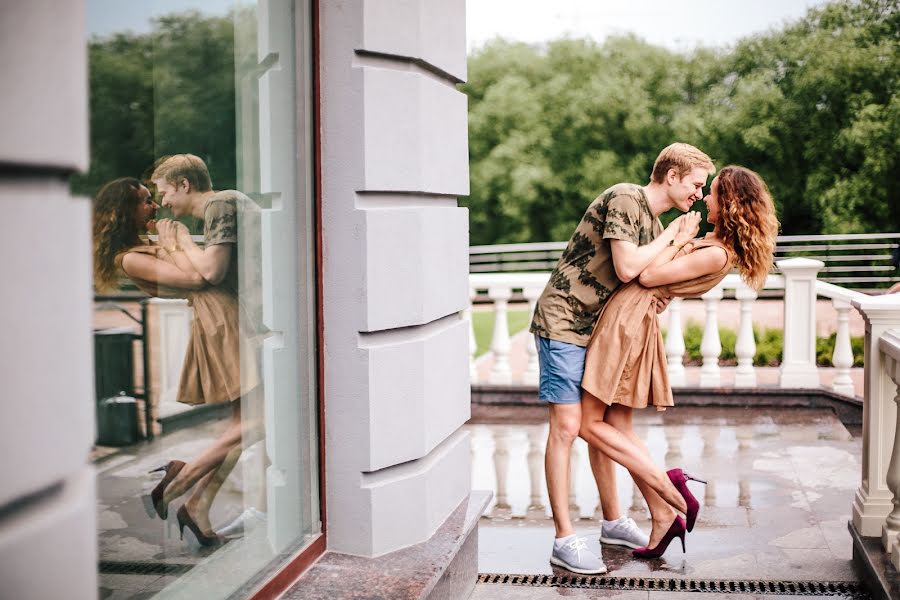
<point>183,166</point>
<point>683,158</point>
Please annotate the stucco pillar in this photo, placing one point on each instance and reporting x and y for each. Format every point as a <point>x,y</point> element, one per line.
<point>798,362</point>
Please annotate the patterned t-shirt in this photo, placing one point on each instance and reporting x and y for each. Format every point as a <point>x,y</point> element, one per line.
<point>584,277</point>
<point>231,217</point>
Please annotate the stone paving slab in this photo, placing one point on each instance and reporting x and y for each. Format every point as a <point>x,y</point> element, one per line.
<point>777,506</point>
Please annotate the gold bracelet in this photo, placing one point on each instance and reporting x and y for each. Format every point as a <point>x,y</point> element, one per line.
<point>176,248</point>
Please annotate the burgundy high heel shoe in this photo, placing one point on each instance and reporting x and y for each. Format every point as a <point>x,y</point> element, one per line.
<point>153,502</point>
<point>676,530</point>
<point>679,479</point>
<point>203,538</point>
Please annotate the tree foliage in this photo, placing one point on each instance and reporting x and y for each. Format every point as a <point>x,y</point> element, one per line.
<point>168,91</point>
<point>814,108</point>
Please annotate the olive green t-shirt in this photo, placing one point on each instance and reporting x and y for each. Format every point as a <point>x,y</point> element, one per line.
<point>584,277</point>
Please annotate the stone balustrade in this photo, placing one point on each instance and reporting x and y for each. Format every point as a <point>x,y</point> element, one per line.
<point>798,368</point>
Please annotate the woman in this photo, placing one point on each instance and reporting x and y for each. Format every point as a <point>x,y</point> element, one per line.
<point>625,365</point>
<point>211,371</point>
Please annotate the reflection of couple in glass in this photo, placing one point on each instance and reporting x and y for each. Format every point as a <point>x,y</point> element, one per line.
<point>222,329</point>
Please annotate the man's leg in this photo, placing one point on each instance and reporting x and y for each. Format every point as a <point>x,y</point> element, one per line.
<point>561,366</point>
<point>565,421</point>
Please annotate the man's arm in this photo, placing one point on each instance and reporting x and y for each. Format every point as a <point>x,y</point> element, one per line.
<point>629,259</point>
<point>211,262</point>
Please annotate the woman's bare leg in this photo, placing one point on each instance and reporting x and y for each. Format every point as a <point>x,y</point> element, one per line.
<point>619,447</point>
<point>200,502</point>
<point>604,470</point>
<point>209,459</point>
<point>661,513</point>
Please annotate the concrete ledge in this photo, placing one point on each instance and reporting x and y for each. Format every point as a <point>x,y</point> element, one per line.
<point>445,566</point>
<point>848,410</point>
<point>878,574</point>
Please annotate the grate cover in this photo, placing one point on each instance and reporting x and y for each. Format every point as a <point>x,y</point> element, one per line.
<point>848,589</point>
<point>125,567</point>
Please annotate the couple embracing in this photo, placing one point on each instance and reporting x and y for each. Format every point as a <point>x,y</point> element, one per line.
<point>600,349</point>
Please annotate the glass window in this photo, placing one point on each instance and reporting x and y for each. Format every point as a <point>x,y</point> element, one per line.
<point>201,175</point>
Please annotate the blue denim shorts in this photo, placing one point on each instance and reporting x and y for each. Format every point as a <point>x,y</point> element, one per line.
<point>562,365</point>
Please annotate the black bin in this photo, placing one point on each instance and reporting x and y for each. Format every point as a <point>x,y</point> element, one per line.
<point>117,423</point>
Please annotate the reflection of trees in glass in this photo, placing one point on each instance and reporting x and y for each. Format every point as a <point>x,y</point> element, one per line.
<point>163,92</point>
<point>815,108</point>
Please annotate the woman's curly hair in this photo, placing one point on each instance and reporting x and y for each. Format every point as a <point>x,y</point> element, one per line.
<point>115,229</point>
<point>747,222</point>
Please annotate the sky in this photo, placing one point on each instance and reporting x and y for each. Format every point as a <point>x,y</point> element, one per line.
<point>680,26</point>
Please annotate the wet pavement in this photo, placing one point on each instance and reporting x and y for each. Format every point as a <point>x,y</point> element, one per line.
<point>143,556</point>
<point>781,485</point>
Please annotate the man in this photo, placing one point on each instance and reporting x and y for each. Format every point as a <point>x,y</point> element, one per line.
<point>185,187</point>
<point>619,235</point>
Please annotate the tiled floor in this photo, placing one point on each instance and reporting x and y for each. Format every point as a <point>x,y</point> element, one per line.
<point>781,487</point>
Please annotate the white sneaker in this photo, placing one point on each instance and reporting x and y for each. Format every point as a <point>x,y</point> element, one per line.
<point>575,556</point>
<point>623,532</point>
<point>246,521</point>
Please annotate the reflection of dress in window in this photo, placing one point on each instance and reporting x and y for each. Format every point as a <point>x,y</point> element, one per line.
<point>212,370</point>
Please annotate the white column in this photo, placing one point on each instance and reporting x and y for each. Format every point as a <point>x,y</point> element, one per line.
<point>842,359</point>
<point>711,346</point>
<point>530,377</point>
<point>501,466</point>
<point>675,345</point>
<point>501,373</point>
<point>798,363</point>
<point>536,445</point>
<point>473,346</point>
<point>745,347</point>
<point>873,500</point>
<point>891,526</point>
<point>173,325</point>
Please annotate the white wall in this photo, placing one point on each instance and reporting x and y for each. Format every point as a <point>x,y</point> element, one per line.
<point>47,509</point>
<point>394,159</point>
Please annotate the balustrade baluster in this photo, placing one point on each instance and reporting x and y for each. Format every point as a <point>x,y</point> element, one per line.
<point>501,466</point>
<point>675,345</point>
<point>473,346</point>
<point>711,345</point>
<point>530,377</point>
<point>536,447</point>
<point>842,359</point>
<point>891,526</point>
<point>574,462</point>
<point>501,373</point>
<point>673,435</point>
<point>745,347</point>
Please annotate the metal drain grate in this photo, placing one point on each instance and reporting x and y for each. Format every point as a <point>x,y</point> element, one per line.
<point>125,567</point>
<point>719,586</point>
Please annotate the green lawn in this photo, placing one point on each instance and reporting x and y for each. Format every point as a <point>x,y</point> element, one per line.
<point>483,322</point>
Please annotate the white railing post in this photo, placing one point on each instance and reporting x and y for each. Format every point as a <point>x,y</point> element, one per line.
<point>891,526</point>
<point>675,345</point>
<point>842,359</point>
<point>531,374</point>
<point>873,500</point>
<point>501,373</point>
<point>711,345</point>
<point>536,445</point>
<point>798,361</point>
<point>745,346</point>
<point>473,345</point>
<point>501,467</point>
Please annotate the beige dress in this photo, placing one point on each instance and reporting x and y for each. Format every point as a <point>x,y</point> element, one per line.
<point>626,360</point>
<point>211,372</point>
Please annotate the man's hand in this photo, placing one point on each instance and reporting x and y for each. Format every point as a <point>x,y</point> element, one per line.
<point>167,233</point>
